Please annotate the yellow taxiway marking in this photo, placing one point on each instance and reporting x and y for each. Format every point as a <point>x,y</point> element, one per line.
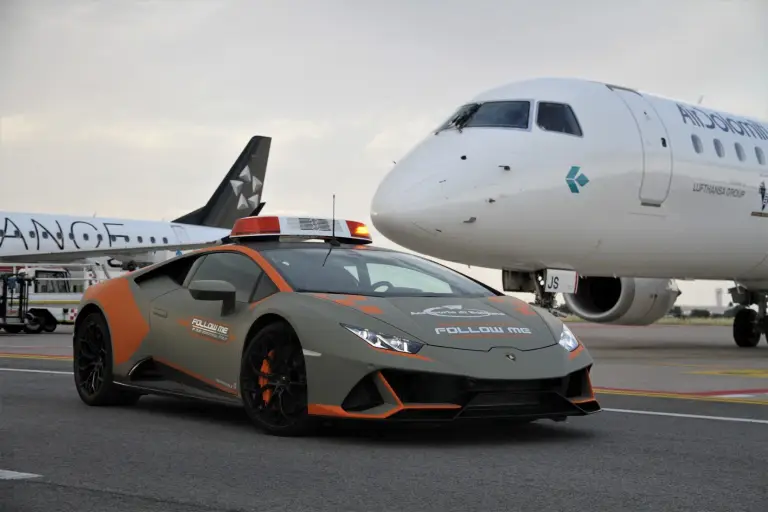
<point>35,356</point>
<point>757,373</point>
<point>680,396</point>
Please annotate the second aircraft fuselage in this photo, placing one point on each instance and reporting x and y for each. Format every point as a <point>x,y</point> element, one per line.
<point>620,184</point>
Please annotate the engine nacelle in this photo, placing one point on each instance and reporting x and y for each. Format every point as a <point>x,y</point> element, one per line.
<point>622,300</point>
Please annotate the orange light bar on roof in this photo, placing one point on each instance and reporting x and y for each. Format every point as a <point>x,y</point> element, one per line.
<point>256,226</point>
<point>302,227</point>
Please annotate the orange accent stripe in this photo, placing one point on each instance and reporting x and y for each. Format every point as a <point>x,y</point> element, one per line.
<point>403,354</point>
<point>127,326</point>
<point>353,302</point>
<point>590,390</point>
<point>196,376</point>
<point>576,352</point>
<point>390,389</point>
<point>338,412</point>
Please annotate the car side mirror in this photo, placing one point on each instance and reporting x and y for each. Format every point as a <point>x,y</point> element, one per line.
<point>215,290</point>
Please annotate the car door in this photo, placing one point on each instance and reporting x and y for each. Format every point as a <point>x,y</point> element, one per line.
<point>198,341</point>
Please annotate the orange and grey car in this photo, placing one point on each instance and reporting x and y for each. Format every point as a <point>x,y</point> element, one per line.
<point>301,319</point>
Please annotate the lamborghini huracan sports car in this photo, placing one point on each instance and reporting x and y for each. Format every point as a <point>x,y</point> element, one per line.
<point>299,319</point>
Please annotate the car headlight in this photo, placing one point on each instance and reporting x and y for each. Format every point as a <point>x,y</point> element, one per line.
<point>567,339</point>
<point>385,341</point>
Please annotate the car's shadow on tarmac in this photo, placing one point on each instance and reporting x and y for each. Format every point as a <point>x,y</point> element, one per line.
<point>474,432</point>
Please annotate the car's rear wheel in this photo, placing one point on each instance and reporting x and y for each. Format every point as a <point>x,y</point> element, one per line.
<point>92,361</point>
<point>273,382</point>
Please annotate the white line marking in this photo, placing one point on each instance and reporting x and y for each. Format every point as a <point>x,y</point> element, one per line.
<point>13,475</point>
<point>694,416</point>
<point>27,370</point>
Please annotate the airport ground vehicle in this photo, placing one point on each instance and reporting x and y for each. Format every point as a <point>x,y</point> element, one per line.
<point>299,319</point>
<point>43,296</point>
<point>14,302</point>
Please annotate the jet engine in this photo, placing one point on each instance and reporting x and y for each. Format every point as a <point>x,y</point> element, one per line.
<point>622,300</point>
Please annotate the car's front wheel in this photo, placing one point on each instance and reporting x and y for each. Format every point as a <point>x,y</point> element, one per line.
<point>92,360</point>
<point>273,382</point>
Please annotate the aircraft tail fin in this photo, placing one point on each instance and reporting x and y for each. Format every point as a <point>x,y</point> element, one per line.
<point>239,194</point>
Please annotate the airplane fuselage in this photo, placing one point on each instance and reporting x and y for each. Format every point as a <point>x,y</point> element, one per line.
<point>642,186</point>
<point>31,237</point>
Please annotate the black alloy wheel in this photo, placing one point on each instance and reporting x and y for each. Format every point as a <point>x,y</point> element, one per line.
<point>273,382</point>
<point>92,361</point>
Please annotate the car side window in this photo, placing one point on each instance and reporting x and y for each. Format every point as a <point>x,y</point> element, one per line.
<point>264,288</point>
<point>239,270</point>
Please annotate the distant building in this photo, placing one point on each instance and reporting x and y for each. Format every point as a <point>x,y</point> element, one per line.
<point>719,297</point>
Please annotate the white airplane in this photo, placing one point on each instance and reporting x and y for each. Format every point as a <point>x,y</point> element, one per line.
<point>596,191</point>
<point>51,238</point>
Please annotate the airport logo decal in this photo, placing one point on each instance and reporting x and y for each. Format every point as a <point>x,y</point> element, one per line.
<point>210,329</point>
<point>482,330</point>
<point>574,179</point>
<point>252,201</point>
<point>763,202</point>
<point>457,311</point>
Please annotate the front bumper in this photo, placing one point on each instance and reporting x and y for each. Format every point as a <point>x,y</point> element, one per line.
<point>407,395</point>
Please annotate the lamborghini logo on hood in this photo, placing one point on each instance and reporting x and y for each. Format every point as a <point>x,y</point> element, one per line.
<point>457,311</point>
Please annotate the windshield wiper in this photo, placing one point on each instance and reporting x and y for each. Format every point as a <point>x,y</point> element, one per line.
<point>463,117</point>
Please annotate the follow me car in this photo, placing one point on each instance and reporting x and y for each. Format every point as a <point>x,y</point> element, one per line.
<point>299,319</point>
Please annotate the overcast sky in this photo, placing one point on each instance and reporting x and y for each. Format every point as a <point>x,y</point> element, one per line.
<point>136,109</point>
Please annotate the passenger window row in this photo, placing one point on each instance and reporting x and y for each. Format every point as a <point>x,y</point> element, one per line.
<point>741,154</point>
<point>551,117</point>
<point>140,239</point>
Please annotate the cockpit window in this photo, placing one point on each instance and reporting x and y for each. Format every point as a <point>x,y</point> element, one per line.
<point>558,117</point>
<point>501,114</point>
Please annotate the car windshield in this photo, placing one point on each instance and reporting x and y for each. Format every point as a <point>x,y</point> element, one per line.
<point>369,272</point>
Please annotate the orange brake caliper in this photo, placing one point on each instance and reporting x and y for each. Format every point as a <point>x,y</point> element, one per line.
<point>265,368</point>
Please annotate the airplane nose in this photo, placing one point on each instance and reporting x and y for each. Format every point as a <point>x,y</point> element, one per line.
<point>392,209</point>
<point>400,204</point>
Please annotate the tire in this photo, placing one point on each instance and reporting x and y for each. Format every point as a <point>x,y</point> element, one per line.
<point>13,329</point>
<point>746,333</point>
<point>50,326</point>
<point>92,365</point>
<point>276,405</point>
<point>33,324</point>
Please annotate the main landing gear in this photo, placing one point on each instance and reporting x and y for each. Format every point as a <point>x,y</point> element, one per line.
<point>749,325</point>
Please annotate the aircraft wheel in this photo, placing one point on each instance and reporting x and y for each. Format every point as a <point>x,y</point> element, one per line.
<point>746,332</point>
<point>273,382</point>
<point>92,361</point>
<point>13,329</point>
